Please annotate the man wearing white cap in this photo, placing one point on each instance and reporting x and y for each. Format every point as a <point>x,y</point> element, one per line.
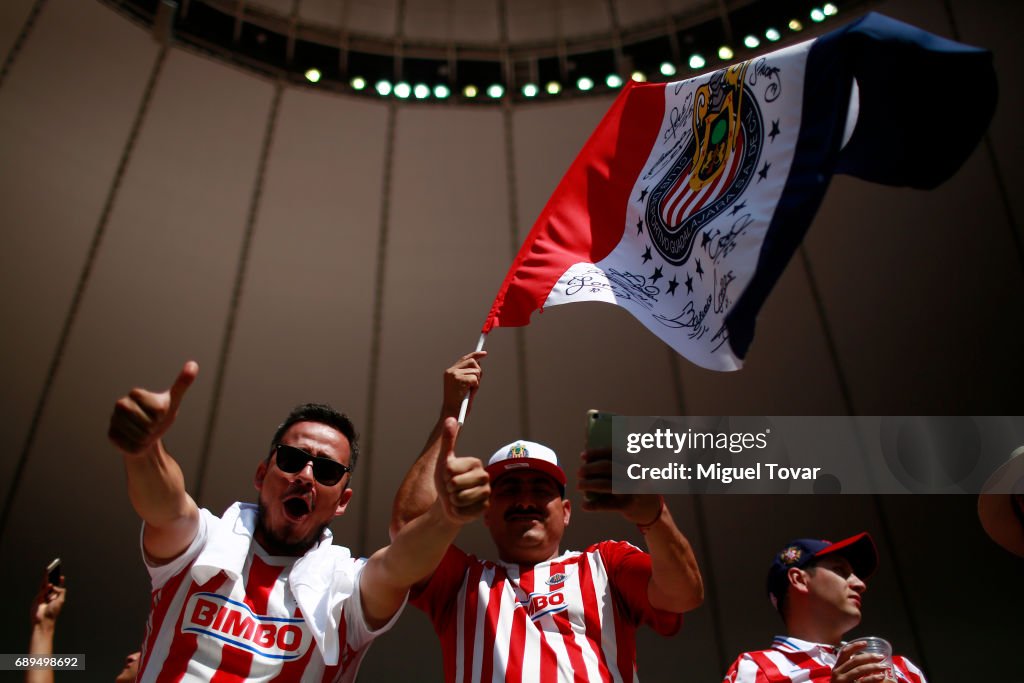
<point>817,587</point>
<point>538,613</point>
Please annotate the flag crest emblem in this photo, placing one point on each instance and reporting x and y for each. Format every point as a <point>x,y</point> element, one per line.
<point>719,156</point>
<point>518,451</point>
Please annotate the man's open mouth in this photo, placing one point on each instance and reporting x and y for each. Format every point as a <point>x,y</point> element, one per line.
<point>296,508</point>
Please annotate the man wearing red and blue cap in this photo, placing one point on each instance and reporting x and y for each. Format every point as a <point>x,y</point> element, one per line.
<point>538,613</point>
<point>817,587</point>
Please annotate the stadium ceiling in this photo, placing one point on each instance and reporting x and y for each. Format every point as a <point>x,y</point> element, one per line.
<point>482,51</point>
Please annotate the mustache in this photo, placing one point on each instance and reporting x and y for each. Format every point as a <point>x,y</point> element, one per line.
<point>524,510</point>
<point>298,487</point>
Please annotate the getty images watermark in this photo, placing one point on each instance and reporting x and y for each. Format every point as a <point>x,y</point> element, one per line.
<point>810,454</point>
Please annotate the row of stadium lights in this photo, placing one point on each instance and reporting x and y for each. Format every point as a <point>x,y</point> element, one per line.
<point>421,91</point>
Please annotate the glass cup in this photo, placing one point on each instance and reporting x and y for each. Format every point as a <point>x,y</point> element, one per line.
<point>878,646</point>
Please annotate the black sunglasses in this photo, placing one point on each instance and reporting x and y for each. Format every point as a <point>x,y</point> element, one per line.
<point>326,471</point>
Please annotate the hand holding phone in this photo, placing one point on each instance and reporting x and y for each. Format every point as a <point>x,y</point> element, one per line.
<point>50,598</point>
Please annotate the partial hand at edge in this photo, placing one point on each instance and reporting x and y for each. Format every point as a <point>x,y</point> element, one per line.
<point>48,602</point>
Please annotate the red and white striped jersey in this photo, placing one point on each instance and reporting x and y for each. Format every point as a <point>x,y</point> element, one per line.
<point>250,629</point>
<point>799,661</point>
<point>569,619</point>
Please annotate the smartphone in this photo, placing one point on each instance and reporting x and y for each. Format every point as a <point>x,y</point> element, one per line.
<point>599,429</point>
<point>53,571</point>
<point>599,436</point>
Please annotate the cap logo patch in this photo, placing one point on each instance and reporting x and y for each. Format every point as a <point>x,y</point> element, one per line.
<point>518,451</point>
<point>791,555</point>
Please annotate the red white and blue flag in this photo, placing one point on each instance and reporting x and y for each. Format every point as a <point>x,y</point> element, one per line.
<point>688,200</point>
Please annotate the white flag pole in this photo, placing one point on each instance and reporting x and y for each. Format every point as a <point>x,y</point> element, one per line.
<point>465,400</point>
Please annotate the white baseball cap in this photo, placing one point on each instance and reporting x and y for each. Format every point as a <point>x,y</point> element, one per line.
<point>525,455</point>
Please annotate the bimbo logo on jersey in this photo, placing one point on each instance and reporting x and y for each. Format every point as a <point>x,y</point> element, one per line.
<point>539,604</point>
<point>719,156</point>
<point>233,622</point>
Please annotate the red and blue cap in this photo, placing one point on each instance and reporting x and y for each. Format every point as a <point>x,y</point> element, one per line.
<point>859,550</point>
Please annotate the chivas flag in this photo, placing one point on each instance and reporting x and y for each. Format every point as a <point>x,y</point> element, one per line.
<point>689,198</point>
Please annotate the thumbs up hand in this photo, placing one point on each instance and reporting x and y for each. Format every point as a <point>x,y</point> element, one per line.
<point>142,417</point>
<point>463,485</point>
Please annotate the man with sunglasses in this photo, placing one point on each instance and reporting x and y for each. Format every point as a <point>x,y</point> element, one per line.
<point>538,613</point>
<point>817,587</point>
<point>261,592</point>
